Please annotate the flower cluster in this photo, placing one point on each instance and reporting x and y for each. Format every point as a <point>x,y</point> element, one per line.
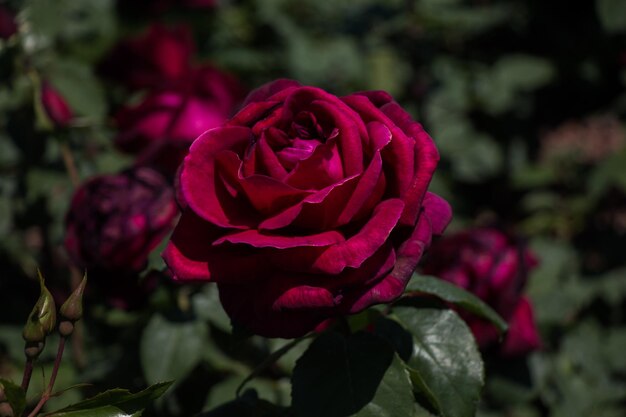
<point>180,101</point>
<point>115,221</point>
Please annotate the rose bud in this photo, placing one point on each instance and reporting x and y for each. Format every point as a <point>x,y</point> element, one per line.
<point>306,206</point>
<point>55,106</point>
<point>41,321</point>
<point>8,27</point>
<point>160,129</point>
<point>114,221</point>
<point>156,58</point>
<point>494,267</point>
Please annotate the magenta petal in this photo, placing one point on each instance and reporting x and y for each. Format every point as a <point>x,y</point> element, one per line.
<point>304,297</point>
<point>260,240</point>
<point>321,169</point>
<point>523,336</point>
<point>408,255</point>
<point>186,253</point>
<point>317,211</point>
<point>266,91</point>
<point>365,189</point>
<point>438,211</point>
<point>354,251</point>
<point>426,159</point>
<point>198,179</point>
<point>269,195</point>
<point>378,97</point>
<point>350,139</point>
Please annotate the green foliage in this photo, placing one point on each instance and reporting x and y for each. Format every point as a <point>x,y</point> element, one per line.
<point>170,349</point>
<point>445,366</point>
<point>15,396</point>
<point>114,403</point>
<point>456,295</point>
<point>339,375</point>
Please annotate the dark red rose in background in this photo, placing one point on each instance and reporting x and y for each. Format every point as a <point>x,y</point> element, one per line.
<point>495,268</point>
<point>305,206</point>
<point>8,27</point>
<point>159,57</point>
<point>55,106</point>
<point>160,129</point>
<point>115,221</point>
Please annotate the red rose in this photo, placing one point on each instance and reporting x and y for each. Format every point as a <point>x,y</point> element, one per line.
<point>114,221</point>
<point>495,268</point>
<point>305,206</point>
<point>160,128</point>
<point>159,57</point>
<point>55,106</point>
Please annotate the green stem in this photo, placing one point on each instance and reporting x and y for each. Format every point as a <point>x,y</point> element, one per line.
<point>55,370</point>
<point>28,372</point>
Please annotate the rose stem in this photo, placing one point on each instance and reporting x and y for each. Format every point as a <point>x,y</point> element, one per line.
<point>47,393</point>
<point>70,165</point>
<point>77,341</point>
<point>28,372</point>
<point>78,353</point>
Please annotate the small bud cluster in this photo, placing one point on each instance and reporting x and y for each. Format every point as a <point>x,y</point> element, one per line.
<point>43,318</point>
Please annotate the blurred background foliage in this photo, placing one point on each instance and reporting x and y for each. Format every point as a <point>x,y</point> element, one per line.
<point>525,99</point>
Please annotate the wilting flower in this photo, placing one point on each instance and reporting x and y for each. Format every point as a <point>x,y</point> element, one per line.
<point>494,267</point>
<point>160,129</point>
<point>115,221</point>
<point>159,57</point>
<point>305,206</point>
<point>57,109</point>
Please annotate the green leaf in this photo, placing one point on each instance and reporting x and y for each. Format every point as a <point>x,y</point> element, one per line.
<point>456,295</point>
<point>339,375</point>
<point>446,365</point>
<point>15,396</point>
<point>206,305</point>
<point>80,88</point>
<point>169,349</point>
<point>394,396</point>
<point>114,403</point>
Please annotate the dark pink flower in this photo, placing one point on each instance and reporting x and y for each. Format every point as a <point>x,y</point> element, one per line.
<point>306,206</point>
<point>159,57</point>
<point>115,221</point>
<point>55,106</point>
<point>160,128</point>
<point>494,267</point>
<point>8,27</point>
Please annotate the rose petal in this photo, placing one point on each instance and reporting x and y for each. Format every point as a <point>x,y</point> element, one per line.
<point>266,91</point>
<point>355,250</point>
<point>426,159</point>
<point>260,240</point>
<point>198,182</point>
<point>186,253</point>
<point>438,211</point>
<point>523,336</point>
<point>392,286</point>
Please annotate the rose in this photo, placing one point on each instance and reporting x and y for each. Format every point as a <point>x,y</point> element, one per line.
<point>56,107</point>
<point>114,221</point>
<point>305,206</point>
<point>493,266</point>
<point>161,127</point>
<point>159,57</point>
